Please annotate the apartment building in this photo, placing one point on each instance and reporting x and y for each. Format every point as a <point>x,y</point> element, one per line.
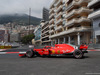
<point>45,33</point>
<point>45,28</point>
<point>95,17</point>
<point>45,14</point>
<point>37,33</point>
<point>4,34</point>
<point>69,22</point>
<point>15,37</point>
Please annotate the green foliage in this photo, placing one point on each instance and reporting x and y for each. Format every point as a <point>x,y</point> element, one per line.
<point>27,39</point>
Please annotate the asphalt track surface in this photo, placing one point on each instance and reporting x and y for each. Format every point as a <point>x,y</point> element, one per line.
<point>12,64</point>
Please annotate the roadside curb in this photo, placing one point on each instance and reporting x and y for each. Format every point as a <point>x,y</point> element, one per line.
<point>94,50</point>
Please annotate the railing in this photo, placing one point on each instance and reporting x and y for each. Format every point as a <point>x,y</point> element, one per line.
<point>51,10</point>
<point>45,28</point>
<point>45,32</point>
<point>51,26</point>
<point>78,11</point>
<point>51,31</point>
<point>59,14</point>
<point>59,1</point>
<point>58,28</point>
<point>51,15</point>
<point>45,36</point>
<point>76,20</point>
<point>71,4</point>
<point>75,29</point>
<point>92,3</point>
<point>80,1</point>
<point>51,21</point>
<point>60,7</point>
<point>71,13</point>
<point>60,20</point>
<point>94,14</point>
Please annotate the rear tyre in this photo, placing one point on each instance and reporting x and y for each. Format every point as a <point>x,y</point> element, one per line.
<point>30,53</point>
<point>78,54</point>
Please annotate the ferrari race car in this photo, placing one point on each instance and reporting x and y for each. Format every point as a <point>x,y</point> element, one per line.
<point>59,49</point>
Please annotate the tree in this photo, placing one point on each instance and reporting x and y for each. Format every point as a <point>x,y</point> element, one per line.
<point>27,39</point>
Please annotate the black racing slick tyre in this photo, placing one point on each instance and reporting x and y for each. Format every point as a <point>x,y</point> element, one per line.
<point>78,54</point>
<point>30,53</point>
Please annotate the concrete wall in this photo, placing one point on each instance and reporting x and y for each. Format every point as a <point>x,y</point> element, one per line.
<point>96,27</point>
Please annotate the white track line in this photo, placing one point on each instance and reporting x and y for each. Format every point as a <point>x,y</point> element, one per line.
<point>12,52</point>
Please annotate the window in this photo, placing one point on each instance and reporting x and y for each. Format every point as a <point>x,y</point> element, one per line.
<point>99,24</point>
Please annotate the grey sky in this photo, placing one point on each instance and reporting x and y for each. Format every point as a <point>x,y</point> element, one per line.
<point>22,6</point>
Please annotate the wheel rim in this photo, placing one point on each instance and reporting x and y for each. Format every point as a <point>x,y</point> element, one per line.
<point>29,54</point>
<point>78,54</point>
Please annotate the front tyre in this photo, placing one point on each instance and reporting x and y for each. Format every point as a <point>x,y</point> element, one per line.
<point>30,53</point>
<point>78,54</point>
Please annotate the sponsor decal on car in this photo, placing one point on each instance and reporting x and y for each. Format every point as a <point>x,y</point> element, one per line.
<point>58,51</point>
<point>53,51</point>
<point>65,51</point>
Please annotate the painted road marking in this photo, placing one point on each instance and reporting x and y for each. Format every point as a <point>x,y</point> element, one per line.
<point>12,52</point>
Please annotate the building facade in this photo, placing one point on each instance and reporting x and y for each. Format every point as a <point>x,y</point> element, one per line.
<point>69,22</point>
<point>45,14</point>
<point>95,17</point>
<point>45,28</point>
<point>4,35</point>
<point>37,33</point>
<point>45,33</point>
<point>15,37</point>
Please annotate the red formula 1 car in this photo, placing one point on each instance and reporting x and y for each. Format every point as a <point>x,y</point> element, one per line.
<point>59,49</point>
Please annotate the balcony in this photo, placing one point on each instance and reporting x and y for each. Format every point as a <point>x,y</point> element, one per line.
<point>76,21</point>
<point>51,10</point>
<point>77,3</point>
<point>82,10</point>
<point>71,13</point>
<point>83,2</point>
<point>92,3</point>
<point>59,21</point>
<point>58,3</point>
<point>52,4</point>
<point>51,31</point>
<point>51,26</point>
<point>46,41</point>
<point>51,21</point>
<point>83,28</point>
<point>45,28</point>
<point>52,15</point>
<point>59,8</point>
<point>59,14</point>
<point>94,14</point>
<point>73,4</point>
<point>58,28</point>
<point>47,36</point>
<point>70,23</point>
<point>83,19</point>
<point>75,29</point>
<point>45,32</point>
